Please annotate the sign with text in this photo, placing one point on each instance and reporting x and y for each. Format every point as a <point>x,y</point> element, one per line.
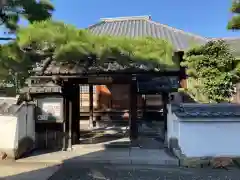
<point>50,109</point>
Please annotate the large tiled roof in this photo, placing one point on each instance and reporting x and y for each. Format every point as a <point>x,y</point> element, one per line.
<point>195,110</point>
<point>142,26</point>
<point>234,44</point>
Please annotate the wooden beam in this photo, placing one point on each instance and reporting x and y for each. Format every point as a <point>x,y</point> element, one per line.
<point>111,74</point>
<point>6,38</point>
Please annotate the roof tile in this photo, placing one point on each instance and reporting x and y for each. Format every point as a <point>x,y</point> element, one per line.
<point>191,110</point>
<point>142,26</point>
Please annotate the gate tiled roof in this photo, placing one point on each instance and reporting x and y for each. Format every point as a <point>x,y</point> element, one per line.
<point>196,110</point>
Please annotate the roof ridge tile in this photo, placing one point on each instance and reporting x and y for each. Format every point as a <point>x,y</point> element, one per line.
<point>126,18</point>
<point>226,38</point>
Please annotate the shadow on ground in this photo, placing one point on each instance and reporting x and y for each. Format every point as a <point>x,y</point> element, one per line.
<point>41,165</point>
<point>69,169</point>
<point>27,171</point>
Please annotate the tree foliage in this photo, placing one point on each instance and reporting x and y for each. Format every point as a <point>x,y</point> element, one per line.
<point>213,67</point>
<point>32,10</point>
<point>15,63</point>
<point>68,44</point>
<point>234,23</point>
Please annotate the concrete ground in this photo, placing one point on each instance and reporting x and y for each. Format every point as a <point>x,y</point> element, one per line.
<point>98,154</point>
<point>27,171</point>
<point>108,171</point>
<point>114,151</point>
<point>86,171</point>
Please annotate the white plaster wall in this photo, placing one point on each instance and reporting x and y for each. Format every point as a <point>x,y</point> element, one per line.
<point>172,125</point>
<point>8,132</point>
<point>205,137</point>
<point>31,121</point>
<point>26,122</point>
<point>13,128</point>
<point>21,123</point>
<point>209,137</point>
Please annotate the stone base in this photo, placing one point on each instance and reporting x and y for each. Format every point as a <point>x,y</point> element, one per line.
<point>69,149</point>
<point>7,154</point>
<point>25,146</point>
<point>201,162</point>
<point>213,162</point>
<point>177,152</point>
<point>236,161</point>
<point>194,162</point>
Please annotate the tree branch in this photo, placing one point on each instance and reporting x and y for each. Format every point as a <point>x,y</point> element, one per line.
<point>6,38</point>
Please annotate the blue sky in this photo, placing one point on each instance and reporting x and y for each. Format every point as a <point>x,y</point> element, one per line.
<point>204,17</point>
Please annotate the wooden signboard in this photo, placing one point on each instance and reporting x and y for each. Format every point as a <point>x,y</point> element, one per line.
<point>151,85</point>
<point>99,80</point>
<point>50,109</point>
<point>154,100</point>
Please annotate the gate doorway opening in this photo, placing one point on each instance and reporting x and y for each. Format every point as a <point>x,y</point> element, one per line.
<point>105,116</point>
<point>105,107</point>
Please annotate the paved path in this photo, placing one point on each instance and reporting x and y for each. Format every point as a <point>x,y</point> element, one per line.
<point>93,154</point>
<point>85,171</point>
<point>27,171</point>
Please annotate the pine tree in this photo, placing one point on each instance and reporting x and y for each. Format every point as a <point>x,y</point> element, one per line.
<point>214,71</point>
<point>234,23</point>
<point>11,11</point>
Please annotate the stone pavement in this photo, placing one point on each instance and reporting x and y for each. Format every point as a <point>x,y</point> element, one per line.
<point>27,171</point>
<point>86,171</point>
<point>103,155</point>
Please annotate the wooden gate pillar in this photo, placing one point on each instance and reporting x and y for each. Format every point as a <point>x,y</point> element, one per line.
<point>65,116</point>
<point>90,106</point>
<point>73,115</point>
<point>70,120</point>
<point>133,110</point>
<point>165,99</point>
<point>68,94</point>
<point>76,114</point>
